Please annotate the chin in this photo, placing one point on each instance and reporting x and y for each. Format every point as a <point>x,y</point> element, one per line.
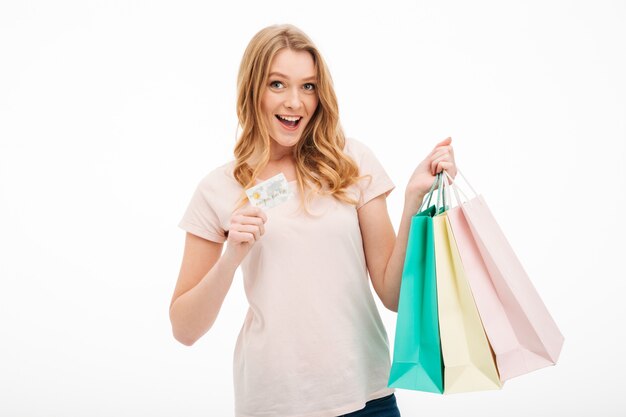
<point>286,140</point>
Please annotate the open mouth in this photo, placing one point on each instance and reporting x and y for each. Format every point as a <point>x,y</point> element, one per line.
<point>289,122</point>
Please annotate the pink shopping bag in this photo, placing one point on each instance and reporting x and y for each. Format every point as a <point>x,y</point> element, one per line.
<point>521,331</point>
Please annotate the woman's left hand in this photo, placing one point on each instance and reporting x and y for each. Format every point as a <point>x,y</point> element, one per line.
<point>441,158</point>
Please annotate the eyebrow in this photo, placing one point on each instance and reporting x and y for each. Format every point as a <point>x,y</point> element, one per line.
<point>278,74</point>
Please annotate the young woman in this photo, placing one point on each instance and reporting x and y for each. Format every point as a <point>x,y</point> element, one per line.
<point>312,343</point>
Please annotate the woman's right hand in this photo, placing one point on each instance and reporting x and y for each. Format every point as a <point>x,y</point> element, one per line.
<point>246,228</point>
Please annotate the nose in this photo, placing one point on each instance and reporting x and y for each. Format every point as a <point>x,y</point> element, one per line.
<point>293,100</point>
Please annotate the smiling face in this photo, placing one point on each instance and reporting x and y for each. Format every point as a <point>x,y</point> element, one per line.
<point>289,99</point>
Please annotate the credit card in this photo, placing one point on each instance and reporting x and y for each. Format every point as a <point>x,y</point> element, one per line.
<point>270,193</point>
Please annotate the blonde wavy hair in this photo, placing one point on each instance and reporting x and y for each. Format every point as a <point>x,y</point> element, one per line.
<point>321,163</point>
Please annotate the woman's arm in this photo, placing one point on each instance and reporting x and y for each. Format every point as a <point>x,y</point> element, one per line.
<point>206,274</point>
<point>384,252</point>
<point>203,282</point>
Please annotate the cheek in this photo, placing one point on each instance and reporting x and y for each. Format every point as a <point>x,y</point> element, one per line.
<point>268,113</point>
<point>312,104</point>
<point>267,104</point>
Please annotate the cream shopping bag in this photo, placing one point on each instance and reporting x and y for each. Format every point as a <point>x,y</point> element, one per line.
<point>467,357</point>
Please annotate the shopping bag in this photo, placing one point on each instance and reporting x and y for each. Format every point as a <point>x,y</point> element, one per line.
<point>417,361</point>
<point>522,333</point>
<point>467,357</point>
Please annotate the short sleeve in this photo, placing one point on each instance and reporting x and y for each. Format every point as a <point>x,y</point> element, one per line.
<point>201,218</point>
<point>379,183</point>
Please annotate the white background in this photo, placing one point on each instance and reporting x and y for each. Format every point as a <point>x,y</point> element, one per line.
<point>111,112</point>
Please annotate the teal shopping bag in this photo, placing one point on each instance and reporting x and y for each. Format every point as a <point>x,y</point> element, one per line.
<point>417,362</point>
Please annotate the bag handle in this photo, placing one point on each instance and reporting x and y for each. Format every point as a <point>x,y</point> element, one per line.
<point>429,195</point>
<point>466,181</point>
<point>456,189</point>
<point>441,193</point>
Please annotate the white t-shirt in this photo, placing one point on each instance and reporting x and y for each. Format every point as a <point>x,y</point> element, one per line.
<point>312,343</point>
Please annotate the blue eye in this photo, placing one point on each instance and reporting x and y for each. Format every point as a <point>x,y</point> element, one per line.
<point>276,84</point>
<point>309,86</point>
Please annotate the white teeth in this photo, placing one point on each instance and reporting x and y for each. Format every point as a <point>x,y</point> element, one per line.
<point>289,118</point>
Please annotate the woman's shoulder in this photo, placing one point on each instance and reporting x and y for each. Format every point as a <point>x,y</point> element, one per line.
<point>220,176</point>
<point>351,143</point>
<point>356,148</point>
